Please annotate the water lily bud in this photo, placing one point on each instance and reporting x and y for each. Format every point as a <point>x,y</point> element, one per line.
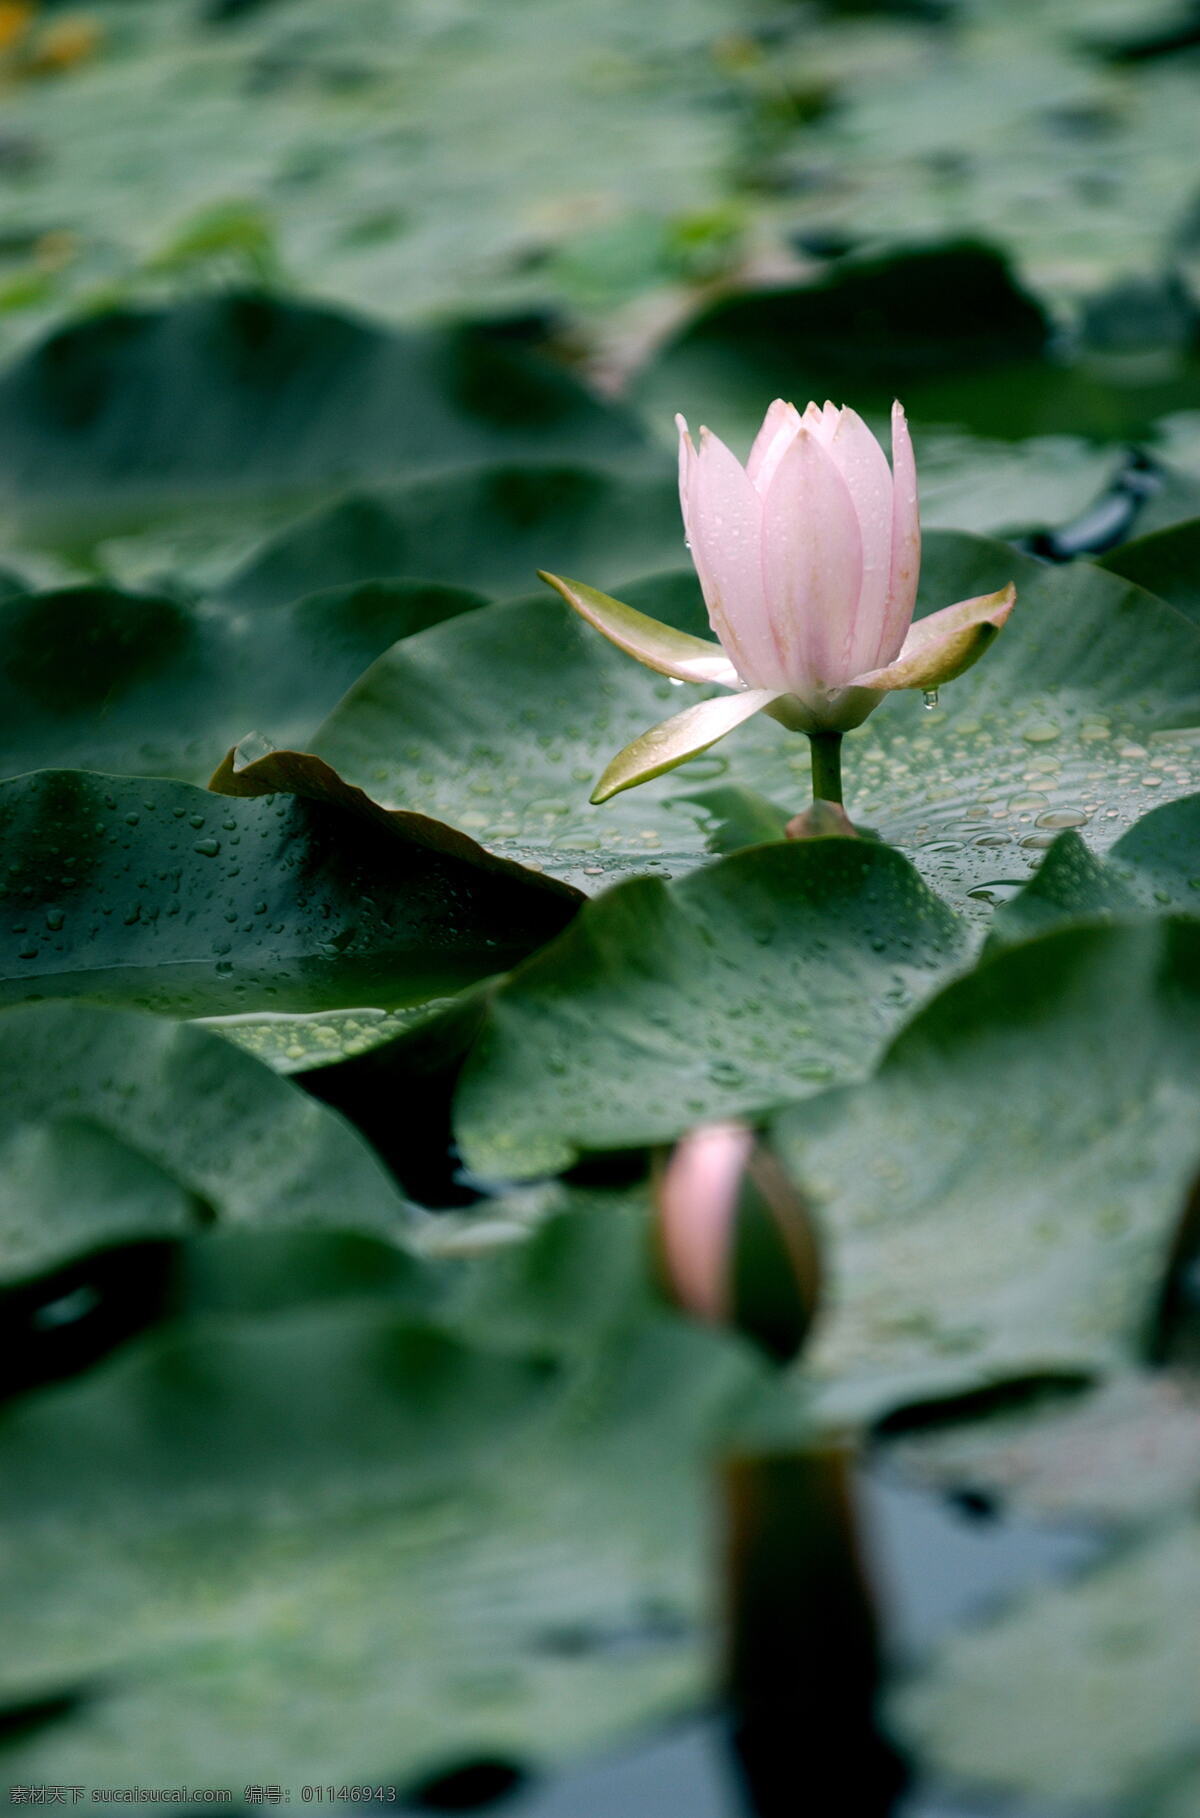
<point>735,1240</point>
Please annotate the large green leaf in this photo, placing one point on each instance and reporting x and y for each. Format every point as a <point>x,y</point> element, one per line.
<point>489,527</point>
<point>295,1041</point>
<point>1124,1454</point>
<point>866,327</point>
<point>501,721</point>
<point>1167,562</point>
<point>998,1199</point>
<point>125,416</point>
<point>1082,1698</point>
<point>385,1547</point>
<point>163,896</point>
<point>758,978</point>
<point>116,1126</point>
<point>104,680</point>
<point>1155,866</point>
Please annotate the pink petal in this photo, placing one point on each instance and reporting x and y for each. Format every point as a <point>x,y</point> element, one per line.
<point>822,420</point>
<point>812,567</point>
<point>697,1202</point>
<point>863,465</point>
<point>906,540</point>
<point>687,460</point>
<point>725,527</point>
<point>770,444</point>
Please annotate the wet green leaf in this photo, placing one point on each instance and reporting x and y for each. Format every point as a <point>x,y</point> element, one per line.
<point>1082,1697</point>
<point>115,1127</point>
<point>520,518</point>
<point>759,978</point>
<point>738,817</point>
<point>1167,562</point>
<point>487,1549</point>
<point>131,415</point>
<point>1125,1453</point>
<point>1000,1196</point>
<point>105,680</point>
<point>294,1042</point>
<point>159,895</point>
<point>1155,867</point>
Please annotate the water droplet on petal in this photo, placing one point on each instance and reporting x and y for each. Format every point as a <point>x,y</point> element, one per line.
<point>929,699</point>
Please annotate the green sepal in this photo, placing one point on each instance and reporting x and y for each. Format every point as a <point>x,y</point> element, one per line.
<point>675,740</point>
<point>658,646</point>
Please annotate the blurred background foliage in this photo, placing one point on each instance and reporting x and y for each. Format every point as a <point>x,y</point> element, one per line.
<point>601,183</point>
<point>420,158</point>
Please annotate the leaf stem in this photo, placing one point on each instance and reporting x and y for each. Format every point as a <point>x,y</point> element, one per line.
<point>826,766</point>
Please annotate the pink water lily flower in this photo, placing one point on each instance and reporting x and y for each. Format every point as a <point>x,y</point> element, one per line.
<point>808,558</point>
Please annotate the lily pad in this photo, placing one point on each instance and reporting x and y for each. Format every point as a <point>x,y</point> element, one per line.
<point>739,817</point>
<point>868,327</point>
<point>105,680</point>
<point>521,518</point>
<point>294,1042</point>
<point>999,1198</point>
<point>1011,489</point>
<point>501,721</point>
<point>162,896</point>
<point>1124,1454</point>
<point>385,1546</point>
<point>1155,866</point>
<point>116,1126</point>
<point>1082,1698</point>
<point>1167,562</point>
<point>754,980</point>
<point>122,417</point>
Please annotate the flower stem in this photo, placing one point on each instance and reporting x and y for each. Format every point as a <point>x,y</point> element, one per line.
<point>826,766</point>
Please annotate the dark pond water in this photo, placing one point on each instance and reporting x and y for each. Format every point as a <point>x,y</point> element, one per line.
<point>938,1567</point>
